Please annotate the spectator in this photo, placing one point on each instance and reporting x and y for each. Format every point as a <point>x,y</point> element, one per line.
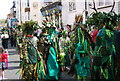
<point>3,57</point>
<point>13,40</point>
<point>94,34</point>
<point>5,38</point>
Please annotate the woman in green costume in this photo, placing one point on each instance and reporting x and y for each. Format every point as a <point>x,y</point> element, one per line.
<point>52,67</point>
<point>50,54</point>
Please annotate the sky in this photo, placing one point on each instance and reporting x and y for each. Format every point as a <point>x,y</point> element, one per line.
<point>5,6</point>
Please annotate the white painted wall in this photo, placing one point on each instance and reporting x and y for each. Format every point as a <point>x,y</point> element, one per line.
<point>68,17</point>
<point>20,14</point>
<point>23,5</point>
<point>35,13</point>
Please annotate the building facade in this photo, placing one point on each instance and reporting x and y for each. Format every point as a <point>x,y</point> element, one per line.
<point>27,10</point>
<point>35,13</point>
<point>71,8</point>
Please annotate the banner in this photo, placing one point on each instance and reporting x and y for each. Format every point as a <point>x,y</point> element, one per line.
<point>52,10</point>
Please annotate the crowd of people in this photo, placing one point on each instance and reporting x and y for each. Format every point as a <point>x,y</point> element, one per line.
<point>45,52</point>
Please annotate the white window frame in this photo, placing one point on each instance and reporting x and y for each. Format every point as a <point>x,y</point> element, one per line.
<point>72,6</point>
<point>108,3</point>
<point>104,3</point>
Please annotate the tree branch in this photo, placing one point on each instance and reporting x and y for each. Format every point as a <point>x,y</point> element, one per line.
<point>94,8</point>
<point>113,6</point>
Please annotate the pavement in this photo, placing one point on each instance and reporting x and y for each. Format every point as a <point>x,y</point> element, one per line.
<point>13,64</point>
<point>66,77</point>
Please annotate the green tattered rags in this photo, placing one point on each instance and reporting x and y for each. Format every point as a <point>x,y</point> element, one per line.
<point>105,50</point>
<point>52,65</point>
<point>82,57</point>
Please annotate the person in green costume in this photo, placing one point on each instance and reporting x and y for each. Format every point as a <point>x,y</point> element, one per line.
<point>104,54</point>
<point>82,53</point>
<point>32,62</point>
<point>117,57</point>
<point>51,60</point>
<point>64,42</point>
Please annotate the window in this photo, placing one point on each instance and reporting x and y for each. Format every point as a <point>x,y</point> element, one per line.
<point>105,2</point>
<point>28,15</point>
<point>72,6</point>
<point>108,2</point>
<point>101,2</point>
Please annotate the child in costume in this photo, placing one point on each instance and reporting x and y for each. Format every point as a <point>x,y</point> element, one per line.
<point>3,58</point>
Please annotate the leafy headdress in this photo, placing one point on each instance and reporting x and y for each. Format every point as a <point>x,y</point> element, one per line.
<point>29,27</point>
<point>102,18</point>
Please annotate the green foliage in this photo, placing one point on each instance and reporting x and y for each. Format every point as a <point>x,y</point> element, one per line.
<point>64,34</point>
<point>102,18</point>
<point>29,27</point>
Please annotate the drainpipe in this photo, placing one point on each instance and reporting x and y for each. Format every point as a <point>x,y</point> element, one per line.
<point>20,13</point>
